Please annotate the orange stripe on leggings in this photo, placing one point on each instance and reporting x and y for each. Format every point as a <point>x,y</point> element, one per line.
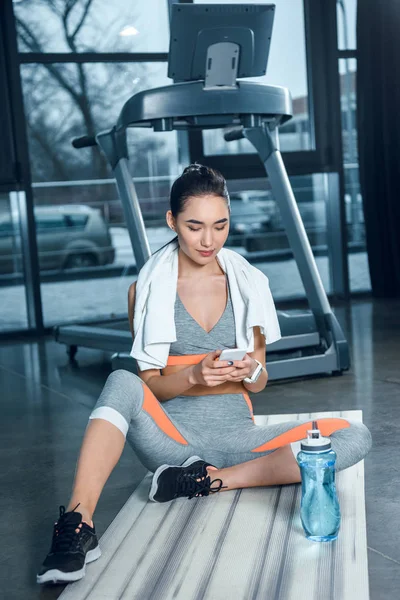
<point>188,359</point>
<point>153,408</point>
<point>326,426</point>
<point>249,404</point>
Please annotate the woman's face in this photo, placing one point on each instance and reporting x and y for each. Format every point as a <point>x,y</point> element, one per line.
<point>202,227</point>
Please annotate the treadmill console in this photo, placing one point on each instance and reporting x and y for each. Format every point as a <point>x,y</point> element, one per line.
<point>218,43</point>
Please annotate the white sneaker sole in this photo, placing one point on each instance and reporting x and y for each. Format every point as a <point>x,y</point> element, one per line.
<point>56,576</point>
<point>154,483</point>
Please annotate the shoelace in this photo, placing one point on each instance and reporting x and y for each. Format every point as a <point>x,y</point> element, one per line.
<point>187,485</point>
<point>65,537</point>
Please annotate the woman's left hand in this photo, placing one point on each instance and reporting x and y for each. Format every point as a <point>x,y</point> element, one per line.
<point>244,368</point>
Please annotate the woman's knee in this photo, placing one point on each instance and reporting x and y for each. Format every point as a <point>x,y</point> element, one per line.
<point>351,444</point>
<point>124,378</point>
<point>122,391</point>
<point>362,436</point>
<point>126,381</point>
<point>366,437</point>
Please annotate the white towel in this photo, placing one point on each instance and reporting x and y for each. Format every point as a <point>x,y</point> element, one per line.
<point>154,324</point>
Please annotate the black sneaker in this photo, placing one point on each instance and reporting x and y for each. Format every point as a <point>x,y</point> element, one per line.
<point>170,482</point>
<point>70,551</point>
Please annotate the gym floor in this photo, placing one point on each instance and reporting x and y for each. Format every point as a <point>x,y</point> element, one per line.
<point>45,407</point>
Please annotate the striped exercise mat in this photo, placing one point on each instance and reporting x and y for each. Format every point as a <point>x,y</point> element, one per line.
<point>245,544</point>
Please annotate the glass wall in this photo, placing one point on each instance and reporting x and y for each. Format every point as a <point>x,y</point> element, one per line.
<point>346,24</point>
<point>257,230</point>
<point>66,100</point>
<point>358,259</point>
<point>13,314</point>
<point>75,293</point>
<point>287,67</point>
<point>85,256</point>
<point>92,26</point>
<point>92,262</point>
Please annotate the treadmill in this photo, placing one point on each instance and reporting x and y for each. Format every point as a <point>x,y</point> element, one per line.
<point>211,46</point>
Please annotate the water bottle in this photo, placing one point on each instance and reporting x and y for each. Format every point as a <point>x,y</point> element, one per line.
<point>320,511</point>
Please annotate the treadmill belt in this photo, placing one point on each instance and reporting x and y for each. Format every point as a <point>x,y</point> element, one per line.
<point>245,544</point>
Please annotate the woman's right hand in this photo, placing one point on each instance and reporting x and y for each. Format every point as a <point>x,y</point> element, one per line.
<point>211,372</point>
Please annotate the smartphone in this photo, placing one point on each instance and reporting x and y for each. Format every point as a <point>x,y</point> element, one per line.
<point>232,354</point>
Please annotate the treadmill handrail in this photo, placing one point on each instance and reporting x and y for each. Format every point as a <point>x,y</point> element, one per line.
<point>85,141</point>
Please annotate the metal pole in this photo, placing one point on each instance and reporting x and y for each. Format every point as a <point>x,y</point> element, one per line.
<point>266,143</point>
<point>132,213</point>
<point>113,144</point>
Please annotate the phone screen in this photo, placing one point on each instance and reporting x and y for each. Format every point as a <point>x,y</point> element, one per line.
<point>232,354</point>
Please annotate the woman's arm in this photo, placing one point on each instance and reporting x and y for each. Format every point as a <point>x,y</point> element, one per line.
<point>247,366</point>
<point>163,387</point>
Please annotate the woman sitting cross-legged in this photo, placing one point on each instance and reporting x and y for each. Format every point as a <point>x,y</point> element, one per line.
<point>188,415</point>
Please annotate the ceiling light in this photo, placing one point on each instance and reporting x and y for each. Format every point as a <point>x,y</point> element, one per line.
<point>128,30</point>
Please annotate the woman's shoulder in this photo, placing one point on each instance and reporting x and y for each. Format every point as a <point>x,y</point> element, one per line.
<point>157,260</point>
<point>240,261</point>
<point>232,255</point>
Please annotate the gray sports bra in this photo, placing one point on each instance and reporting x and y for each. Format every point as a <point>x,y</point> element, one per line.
<point>193,339</point>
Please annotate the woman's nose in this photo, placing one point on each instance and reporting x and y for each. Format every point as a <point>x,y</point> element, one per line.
<point>207,239</point>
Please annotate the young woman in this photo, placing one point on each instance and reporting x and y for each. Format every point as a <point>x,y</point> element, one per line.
<point>188,415</point>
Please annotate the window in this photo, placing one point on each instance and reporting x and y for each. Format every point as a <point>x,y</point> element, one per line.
<point>286,67</point>
<point>66,98</point>
<point>92,26</point>
<point>358,260</point>
<point>13,314</point>
<point>64,176</point>
<point>63,101</point>
<point>346,19</point>
<point>76,222</point>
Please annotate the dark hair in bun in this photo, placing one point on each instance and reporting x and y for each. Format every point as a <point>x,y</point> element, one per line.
<point>197,180</point>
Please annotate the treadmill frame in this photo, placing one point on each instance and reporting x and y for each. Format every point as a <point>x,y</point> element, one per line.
<point>261,129</point>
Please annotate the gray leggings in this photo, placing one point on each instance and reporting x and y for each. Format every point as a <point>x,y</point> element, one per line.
<point>219,429</point>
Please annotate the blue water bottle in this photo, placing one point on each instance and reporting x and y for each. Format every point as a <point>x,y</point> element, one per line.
<point>320,511</point>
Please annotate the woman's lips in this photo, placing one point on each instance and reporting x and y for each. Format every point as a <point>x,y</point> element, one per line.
<point>206,253</point>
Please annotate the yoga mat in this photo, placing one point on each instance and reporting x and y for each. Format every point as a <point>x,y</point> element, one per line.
<point>243,544</point>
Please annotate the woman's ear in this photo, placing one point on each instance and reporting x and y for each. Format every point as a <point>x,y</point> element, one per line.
<point>170,220</point>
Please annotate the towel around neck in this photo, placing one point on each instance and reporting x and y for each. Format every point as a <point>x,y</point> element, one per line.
<point>153,322</point>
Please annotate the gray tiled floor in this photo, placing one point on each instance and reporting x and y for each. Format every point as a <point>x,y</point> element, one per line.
<point>45,407</point>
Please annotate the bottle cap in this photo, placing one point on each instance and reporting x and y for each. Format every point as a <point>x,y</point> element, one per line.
<point>315,442</point>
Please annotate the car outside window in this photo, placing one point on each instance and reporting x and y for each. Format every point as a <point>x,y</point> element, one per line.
<point>76,222</point>
<point>50,222</point>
